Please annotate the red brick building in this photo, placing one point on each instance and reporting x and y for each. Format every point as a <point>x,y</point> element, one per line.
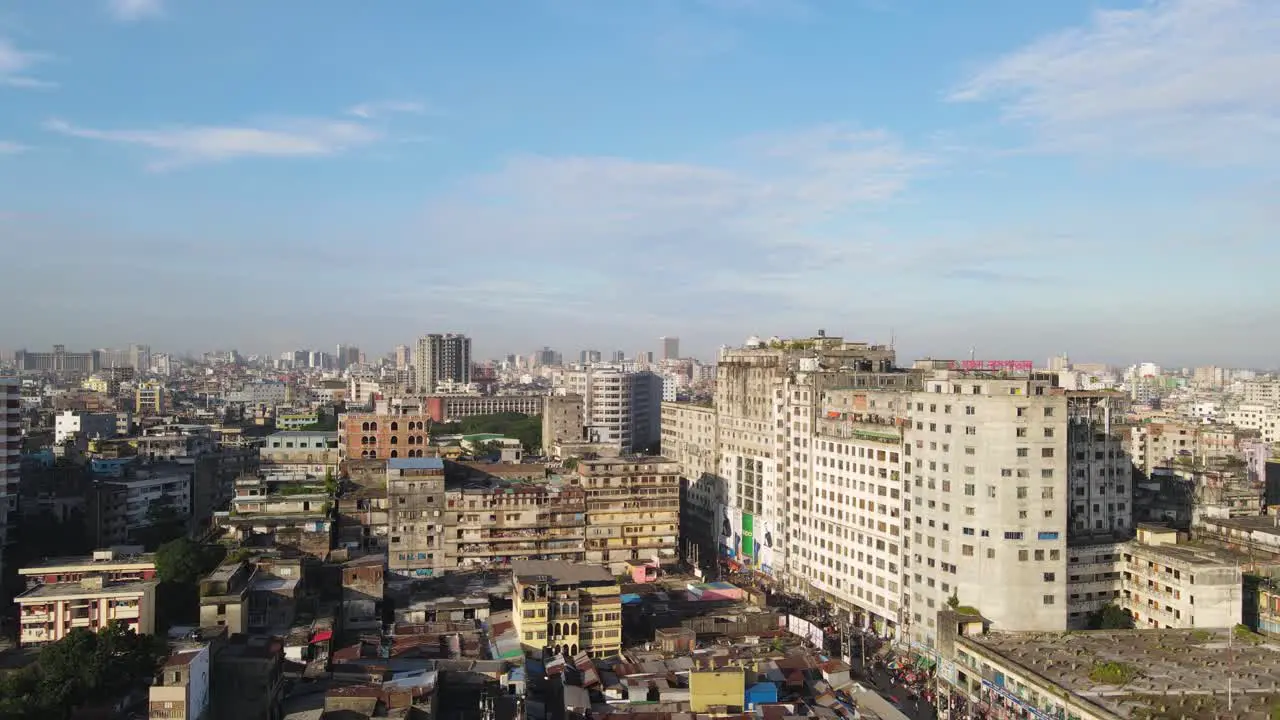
<point>374,435</point>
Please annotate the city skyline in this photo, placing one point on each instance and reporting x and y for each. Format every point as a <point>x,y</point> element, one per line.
<point>1026,179</point>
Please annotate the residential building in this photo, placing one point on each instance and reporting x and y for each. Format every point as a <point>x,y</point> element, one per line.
<point>1157,444</point>
<point>283,512</point>
<point>416,516</point>
<point>1262,392</point>
<point>619,407</point>
<point>69,424</point>
<point>182,444</point>
<point>300,451</point>
<point>491,521</point>
<point>10,455</point>
<point>442,359</point>
<point>224,596</point>
<point>561,421</point>
<point>1168,583</point>
<point>363,390</point>
<point>363,508</point>
<point>150,398</point>
<point>181,687</point>
<point>87,592</point>
<point>347,356</point>
<point>566,608</point>
<point>403,357</point>
<point>394,431</point>
<point>450,408</point>
<point>264,392</point>
<point>363,583</point>
<point>633,509</point>
<point>297,420</point>
<point>254,666</point>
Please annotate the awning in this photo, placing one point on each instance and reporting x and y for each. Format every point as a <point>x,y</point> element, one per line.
<point>322,636</point>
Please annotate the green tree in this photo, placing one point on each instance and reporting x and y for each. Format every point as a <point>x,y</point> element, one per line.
<point>1110,617</point>
<point>180,564</point>
<point>181,561</point>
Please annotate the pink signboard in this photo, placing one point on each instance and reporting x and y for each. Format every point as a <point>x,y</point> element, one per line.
<point>995,365</point>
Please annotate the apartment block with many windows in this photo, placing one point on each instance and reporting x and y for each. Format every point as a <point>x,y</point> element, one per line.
<point>566,608</point>
<point>633,509</point>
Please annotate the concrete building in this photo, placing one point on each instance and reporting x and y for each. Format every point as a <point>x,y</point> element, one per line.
<point>224,595</point>
<point>151,398</point>
<point>450,408</point>
<point>494,522</point>
<point>300,451</point>
<point>566,607</point>
<point>561,421</point>
<point>181,687</point>
<point>619,407</point>
<point>852,551</point>
<point>284,512</point>
<point>442,359</point>
<point>633,509</point>
<point>87,592</point>
<point>58,362</point>
<point>10,455</point>
<point>1158,444</point>
<point>416,515</point>
<point>264,392</point>
<point>395,431</point>
<point>1170,584</point>
<point>297,420</point>
<point>363,583</point>
<point>402,356</point>
<point>363,391</point>
<point>689,438</point>
<point>1262,392</point>
<point>670,348</point>
<point>69,424</point>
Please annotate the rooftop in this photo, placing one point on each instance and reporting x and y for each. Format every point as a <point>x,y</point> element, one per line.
<point>131,556</point>
<point>429,463</point>
<point>1176,673</point>
<point>561,572</point>
<point>329,434</point>
<point>74,589</point>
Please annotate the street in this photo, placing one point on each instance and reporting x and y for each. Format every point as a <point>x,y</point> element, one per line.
<point>881,680</point>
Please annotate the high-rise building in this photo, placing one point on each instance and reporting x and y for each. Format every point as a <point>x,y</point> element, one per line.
<point>442,359</point>
<point>403,357</point>
<point>618,406</point>
<point>561,420</point>
<point>347,356</point>
<point>670,348</point>
<point>893,495</point>
<point>150,398</point>
<point>10,453</point>
<point>617,356</point>
<point>546,357</point>
<point>589,356</point>
<point>58,361</point>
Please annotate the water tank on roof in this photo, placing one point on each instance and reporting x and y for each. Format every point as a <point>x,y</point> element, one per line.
<point>754,342</point>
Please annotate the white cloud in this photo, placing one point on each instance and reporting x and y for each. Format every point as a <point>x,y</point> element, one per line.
<point>12,148</point>
<point>1195,80</point>
<point>190,145</point>
<point>135,10</point>
<point>770,223</point>
<point>15,64</point>
<point>372,110</point>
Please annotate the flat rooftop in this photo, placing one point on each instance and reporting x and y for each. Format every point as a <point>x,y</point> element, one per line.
<point>1193,553</point>
<point>561,572</point>
<point>1264,524</point>
<point>426,463</point>
<point>75,589</point>
<point>1177,673</point>
<point>139,560</point>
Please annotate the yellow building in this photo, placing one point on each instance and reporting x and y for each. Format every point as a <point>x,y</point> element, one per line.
<point>151,398</point>
<point>97,383</point>
<point>567,607</point>
<point>633,509</point>
<point>710,690</point>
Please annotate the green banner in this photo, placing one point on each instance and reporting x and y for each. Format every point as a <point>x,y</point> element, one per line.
<point>748,539</point>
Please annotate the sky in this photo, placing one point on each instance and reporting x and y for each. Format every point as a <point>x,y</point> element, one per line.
<point>1017,178</point>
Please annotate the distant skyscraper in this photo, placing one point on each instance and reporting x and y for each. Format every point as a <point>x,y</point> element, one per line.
<point>589,356</point>
<point>442,358</point>
<point>348,355</point>
<point>618,356</point>
<point>670,347</point>
<point>547,357</point>
<point>403,357</point>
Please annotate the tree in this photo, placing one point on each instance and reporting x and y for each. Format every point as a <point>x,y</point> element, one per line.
<point>1110,617</point>
<point>181,561</point>
<point>179,565</point>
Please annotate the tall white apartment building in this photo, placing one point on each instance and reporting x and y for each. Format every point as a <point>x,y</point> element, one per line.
<point>442,359</point>
<point>10,453</point>
<point>618,406</point>
<point>1262,392</point>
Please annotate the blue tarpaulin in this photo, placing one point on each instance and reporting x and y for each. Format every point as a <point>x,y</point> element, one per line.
<point>631,599</point>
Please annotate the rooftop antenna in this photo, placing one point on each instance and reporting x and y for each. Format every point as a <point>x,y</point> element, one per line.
<point>892,338</point>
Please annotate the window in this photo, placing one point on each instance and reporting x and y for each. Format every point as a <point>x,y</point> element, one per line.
<point>1020,432</point>
<point>1046,452</point>
<point>1022,493</point>
<point>970,489</point>
<point>1048,412</point>
<point>966,550</point>
<point>1048,432</point>
<point>1022,452</point>
<point>1012,535</point>
<point>1023,555</point>
<point>1046,473</point>
<point>1047,536</point>
<point>1048,599</point>
<point>970,430</point>
<point>1046,493</point>
<point>1048,577</point>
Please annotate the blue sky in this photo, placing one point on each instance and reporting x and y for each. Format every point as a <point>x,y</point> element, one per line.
<point>1023,177</point>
